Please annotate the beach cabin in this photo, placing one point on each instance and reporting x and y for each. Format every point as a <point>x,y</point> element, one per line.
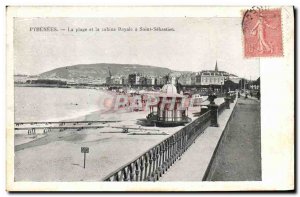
<point>168,114</point>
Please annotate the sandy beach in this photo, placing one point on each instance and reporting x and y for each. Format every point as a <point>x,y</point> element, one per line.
<point>57,154</point>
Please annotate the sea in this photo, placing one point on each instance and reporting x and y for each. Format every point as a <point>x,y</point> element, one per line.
<point>55,104</point>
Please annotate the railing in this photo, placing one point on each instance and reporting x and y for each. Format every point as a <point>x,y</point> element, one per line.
<point>157,160</point>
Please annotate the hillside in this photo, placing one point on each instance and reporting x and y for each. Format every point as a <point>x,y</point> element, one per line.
<point>101,71</point>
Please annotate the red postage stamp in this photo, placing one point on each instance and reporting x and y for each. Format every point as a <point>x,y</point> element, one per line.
<point>262,33</point>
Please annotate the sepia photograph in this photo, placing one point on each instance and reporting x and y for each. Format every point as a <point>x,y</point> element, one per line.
<point>156,99</point>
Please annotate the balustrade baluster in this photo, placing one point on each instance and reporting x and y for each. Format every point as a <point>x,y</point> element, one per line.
<point>192,135</point>
<point>165,166</point>
<point>146,166</point>
<point>186,140</point>
<point>142,167</point>
<point>116,178</point>
<point>157,162</point>
<point>137,171</point>
<point>160,159</point>
<point>150,165</point>
<point>173,150</point>
<point>163,157</point>
<point>177,146</point>
<point>125,172</point>
<point>121,175</point>
<point>182,142</point>
<point>154,164</point>
<point>169,152</point>
<point>131,173</point>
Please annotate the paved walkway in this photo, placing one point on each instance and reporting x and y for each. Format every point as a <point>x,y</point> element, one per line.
<point>194,162</point>
<point>239,156</point>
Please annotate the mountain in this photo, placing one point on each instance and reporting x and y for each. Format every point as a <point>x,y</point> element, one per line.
<point>101,71</point>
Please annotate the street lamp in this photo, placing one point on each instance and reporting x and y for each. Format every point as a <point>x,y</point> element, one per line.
<point>221,87</point>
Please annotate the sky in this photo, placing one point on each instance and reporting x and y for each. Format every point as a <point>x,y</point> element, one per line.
<point>195,45</point>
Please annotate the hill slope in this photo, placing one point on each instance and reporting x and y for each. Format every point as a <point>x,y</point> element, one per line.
<point>101,71</point>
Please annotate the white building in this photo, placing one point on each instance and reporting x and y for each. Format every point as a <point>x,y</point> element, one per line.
<point>212,77</point>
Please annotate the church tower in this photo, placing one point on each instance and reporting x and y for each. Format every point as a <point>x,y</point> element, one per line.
<point>216,67</point>
<point>109,73</point>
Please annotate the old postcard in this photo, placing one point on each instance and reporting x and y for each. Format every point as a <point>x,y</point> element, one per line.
<point>150,98</point>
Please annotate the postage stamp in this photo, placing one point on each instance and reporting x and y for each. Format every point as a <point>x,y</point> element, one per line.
<point>262,33</point>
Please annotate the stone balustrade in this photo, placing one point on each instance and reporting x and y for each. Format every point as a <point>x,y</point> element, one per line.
<point>150,165</point>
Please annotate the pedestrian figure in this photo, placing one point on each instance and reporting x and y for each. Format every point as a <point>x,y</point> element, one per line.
<point>258,95</point>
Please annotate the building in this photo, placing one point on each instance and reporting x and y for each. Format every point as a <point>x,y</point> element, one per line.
<point>198,79</point>
<point>230,85</point>
<point>173,80</point>
<point>142,80</point>
<point>255,85</point>
<point>161,80</point>
<point>109,78</point>
<point>151,80</point>
<point>185,79</point>
<point>20,78</point>
<point>193,79</point>
<point>212,77</point>
<point>124,80</point>
<point>134,79</point>
<point>115,80</point>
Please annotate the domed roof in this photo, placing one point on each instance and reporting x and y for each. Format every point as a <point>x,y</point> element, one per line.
<point>169,89</point>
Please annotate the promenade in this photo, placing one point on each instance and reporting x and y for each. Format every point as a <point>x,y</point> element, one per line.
<point>226,153</point>
<point>195,161</point>
<point>239,156</point>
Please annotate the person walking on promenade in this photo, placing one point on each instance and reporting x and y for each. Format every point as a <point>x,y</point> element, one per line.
<point>258,95</point>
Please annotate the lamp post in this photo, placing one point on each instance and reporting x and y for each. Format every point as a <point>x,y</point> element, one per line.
<point>227,100</point>
<point>213,110</point>
<point>222,88</point>
<point>244,86</point>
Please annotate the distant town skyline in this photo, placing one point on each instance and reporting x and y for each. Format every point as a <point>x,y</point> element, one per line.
<point>195,45</point>
<point>188,71</point>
